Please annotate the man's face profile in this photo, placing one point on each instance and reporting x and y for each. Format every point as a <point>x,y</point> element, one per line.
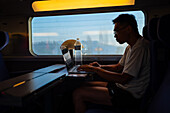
<point>119,32</point>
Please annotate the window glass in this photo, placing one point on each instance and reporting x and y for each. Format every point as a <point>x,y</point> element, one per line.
<point>94,30</point>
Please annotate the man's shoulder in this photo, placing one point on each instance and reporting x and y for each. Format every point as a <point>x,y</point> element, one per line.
<point>143,43</point>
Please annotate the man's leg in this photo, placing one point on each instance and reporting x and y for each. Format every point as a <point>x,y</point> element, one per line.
<point>95,94</point>
<point>95,83</point>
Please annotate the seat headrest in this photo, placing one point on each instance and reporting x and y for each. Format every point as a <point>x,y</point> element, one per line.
<point>164,30</point>
<point>4,39</point>
<point>145,32</point>
<point>152,29</point>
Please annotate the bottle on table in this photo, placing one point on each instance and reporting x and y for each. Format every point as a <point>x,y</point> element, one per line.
<point>78,52</point>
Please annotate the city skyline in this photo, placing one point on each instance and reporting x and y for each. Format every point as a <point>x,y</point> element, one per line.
<point>94,27</point>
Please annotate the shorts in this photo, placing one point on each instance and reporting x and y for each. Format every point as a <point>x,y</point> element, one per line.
<point>122,99</point>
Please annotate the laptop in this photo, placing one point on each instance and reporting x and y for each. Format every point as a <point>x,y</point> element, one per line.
<point>71,67</point>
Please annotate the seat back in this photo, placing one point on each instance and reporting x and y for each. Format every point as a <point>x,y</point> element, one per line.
<point>145,32</point>
<point>161,101</point>
<point>158,63</point>
<point>157,56</point>
<point>164,33</point>
<point>4,39</point>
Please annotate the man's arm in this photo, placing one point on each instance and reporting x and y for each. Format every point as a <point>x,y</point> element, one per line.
<point>114,67</point>
<point>121,78</point>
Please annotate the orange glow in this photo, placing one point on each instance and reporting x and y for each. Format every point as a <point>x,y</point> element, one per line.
<point>19,84</point>
<point>53,5</point>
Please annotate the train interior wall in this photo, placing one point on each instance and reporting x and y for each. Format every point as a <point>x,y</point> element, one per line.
<point>19,60</point>
<point>17,56</point>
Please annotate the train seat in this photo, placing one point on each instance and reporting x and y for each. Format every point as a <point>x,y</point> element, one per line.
<point>4,39</point>
<point>164,31</point>
<point>161,101</point>
<point>158,62</point>
<point>145,32</point>
<point>150,33</point>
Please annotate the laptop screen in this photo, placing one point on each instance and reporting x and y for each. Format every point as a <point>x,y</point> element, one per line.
<point>67,58</point>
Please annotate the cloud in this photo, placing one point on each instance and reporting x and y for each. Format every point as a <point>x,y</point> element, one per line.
<point>45,34</point>
<point>97,32</point>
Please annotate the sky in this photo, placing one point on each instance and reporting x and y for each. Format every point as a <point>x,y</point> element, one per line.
<point>61,28</point>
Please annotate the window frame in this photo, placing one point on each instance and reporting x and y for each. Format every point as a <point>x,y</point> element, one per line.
<point>75,12</point>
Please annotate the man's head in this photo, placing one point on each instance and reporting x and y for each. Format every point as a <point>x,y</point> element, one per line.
<point>125,25</point>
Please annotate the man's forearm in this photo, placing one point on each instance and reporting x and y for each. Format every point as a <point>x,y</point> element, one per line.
<point>114,67</point>
<point>121,78</point>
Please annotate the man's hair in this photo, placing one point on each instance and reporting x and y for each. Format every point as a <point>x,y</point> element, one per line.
<point>127,19</point>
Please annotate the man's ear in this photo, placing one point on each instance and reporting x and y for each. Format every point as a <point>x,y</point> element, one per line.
<point>129,28</point>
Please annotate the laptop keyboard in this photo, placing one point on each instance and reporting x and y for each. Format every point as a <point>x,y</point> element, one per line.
<point>74,69</point>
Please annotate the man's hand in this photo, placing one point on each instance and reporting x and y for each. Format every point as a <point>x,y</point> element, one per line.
<point>87,68</point>
<point>96,64</point>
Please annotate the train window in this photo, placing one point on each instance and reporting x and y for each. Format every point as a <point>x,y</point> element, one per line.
<point>94,30</point>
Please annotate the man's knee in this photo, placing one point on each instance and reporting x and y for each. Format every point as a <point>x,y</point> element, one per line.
<point>78,93</point>
<point>82,93</point>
